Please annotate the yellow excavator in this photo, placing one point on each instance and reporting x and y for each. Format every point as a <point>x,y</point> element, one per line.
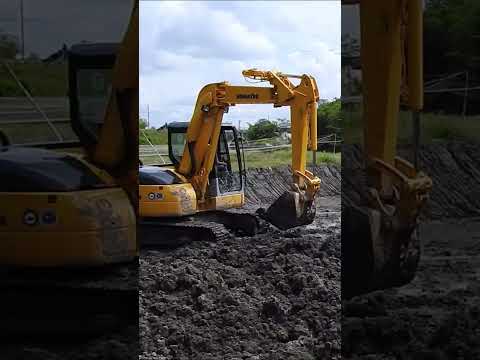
<point>192,198</point>
<point>58,208</point>
<point>380,244</point>
<point>75,203</point>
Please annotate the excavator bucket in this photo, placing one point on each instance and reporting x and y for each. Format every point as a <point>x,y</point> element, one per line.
<point>290,210</point>
<point>375,253</point>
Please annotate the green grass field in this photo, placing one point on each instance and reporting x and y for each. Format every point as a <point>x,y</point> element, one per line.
<point>155,137</point>
<point>284,157</point>
<point>37,133</point>
<point>434,127</point>
<point>39,79</point>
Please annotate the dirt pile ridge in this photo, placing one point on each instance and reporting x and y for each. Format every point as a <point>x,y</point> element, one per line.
<point>453,167</point>
<point>267,184</point>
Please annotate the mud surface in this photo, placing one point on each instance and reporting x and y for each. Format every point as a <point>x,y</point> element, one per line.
<point>69,313</point>
<point>272,296</point>
<point>437,316</point>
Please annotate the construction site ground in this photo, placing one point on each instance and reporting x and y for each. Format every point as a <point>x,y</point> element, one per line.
<point>437,316</point>
<point>277,295</point>
<point>272,296</point>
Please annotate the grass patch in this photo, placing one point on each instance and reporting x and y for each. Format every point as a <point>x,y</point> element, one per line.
<point>284,157</point>
<point>434,127</point>
<point>273,158</point>
<point>156,137</point>
<point>37,133</point>
<point>39,79</point>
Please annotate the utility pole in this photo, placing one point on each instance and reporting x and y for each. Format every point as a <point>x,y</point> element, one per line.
<point>148,115</point>
<point>22,30</point>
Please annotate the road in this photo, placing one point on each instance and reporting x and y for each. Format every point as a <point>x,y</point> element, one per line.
<point>23,123</point>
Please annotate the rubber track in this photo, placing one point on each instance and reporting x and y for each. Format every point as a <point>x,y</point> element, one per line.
<point>170,234</point>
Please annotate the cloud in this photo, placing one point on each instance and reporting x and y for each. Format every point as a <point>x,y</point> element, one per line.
<point>194,29</point>
<point>51,23</point>
<point>186,45</point>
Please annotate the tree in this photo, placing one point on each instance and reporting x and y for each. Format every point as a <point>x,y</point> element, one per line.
<point>8,46</point>
<point>451,30</point>
<point>262,129</point>
<point>329,118</point>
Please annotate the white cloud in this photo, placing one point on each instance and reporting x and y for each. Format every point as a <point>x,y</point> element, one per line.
<point>186,45</point>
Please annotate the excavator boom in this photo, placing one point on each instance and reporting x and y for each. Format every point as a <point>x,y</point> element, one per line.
<point>203,133</point>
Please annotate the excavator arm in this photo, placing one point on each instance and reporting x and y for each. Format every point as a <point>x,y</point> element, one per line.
<point>205,125</point>
<point>392,76</point>
<point>117,145</point>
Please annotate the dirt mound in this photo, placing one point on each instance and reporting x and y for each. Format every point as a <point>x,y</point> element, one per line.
<point>267,184</point>
<point>454,168</point>
<point>272,296</point>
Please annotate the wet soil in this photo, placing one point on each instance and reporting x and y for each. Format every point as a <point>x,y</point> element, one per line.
<point>69,313</point>
<point>437,315</point>
<point>272,296</point>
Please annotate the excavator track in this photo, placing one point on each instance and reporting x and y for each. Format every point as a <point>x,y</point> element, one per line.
<point>210,226</point>
<point>167,233</point>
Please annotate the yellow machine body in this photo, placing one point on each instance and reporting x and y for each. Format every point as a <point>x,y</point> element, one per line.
<point>179,200</point>
<point>88,226</point>
<point>91,227</point>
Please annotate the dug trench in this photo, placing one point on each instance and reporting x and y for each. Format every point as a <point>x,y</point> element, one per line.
<point>275,295</point>
<point>437,315</point>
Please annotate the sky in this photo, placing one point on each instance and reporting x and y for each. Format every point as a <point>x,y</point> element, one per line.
<point>186,45</point>
<point>48,24</point>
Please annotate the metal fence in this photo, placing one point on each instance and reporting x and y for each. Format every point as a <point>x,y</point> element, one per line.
<point>261,145</point>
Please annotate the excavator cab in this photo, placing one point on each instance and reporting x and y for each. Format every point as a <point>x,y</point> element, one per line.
<point>228,173</point>
<point>90,69</point>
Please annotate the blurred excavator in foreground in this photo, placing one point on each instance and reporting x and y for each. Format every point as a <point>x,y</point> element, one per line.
<point>195,197</point>
<point>74,203</point>
<point>380,244</point>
